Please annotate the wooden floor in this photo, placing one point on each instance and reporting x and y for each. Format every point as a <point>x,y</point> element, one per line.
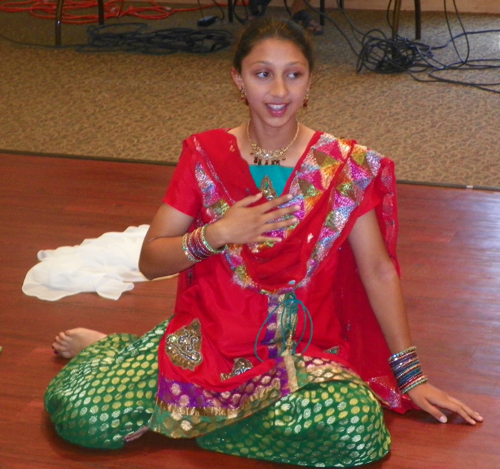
<point>450,255</point>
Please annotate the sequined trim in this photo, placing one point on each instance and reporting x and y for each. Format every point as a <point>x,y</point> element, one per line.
<point>184,346</point>
<point>213,201</point>
<point>273,337</point>
<point>335,350</point>
<point>267,188</point>
<point>240,366</point>
<point>358,166</point>
<point>353,173</point>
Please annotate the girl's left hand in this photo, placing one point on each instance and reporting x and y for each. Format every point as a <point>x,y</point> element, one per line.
<point>431,399</point>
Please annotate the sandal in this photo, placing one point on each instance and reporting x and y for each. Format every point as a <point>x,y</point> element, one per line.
<point>304,18</point>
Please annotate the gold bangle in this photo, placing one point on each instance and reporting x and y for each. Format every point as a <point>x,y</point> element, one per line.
<point>206,243</point>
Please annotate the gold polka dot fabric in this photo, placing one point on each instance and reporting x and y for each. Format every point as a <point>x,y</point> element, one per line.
<point>105,397</point>
<point>106,394</point>
<point>334,424</point>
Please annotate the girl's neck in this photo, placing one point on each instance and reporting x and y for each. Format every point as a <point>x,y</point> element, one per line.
<point>292,155</point>
<point>273,138</point>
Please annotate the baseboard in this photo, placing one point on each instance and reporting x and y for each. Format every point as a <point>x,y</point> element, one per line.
<point>464,6</point>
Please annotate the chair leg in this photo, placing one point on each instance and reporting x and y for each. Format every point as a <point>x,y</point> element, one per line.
<point>395,18</point>
<point>418,19</point>
<point>100,9</point>
<point>322,10</point>
<point>60,4</point>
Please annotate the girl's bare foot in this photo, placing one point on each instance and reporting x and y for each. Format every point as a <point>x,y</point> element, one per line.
<point>71,342</point>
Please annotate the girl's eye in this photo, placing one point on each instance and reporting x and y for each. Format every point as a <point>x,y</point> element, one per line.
<point>295,75</point>
<point>263,74</point>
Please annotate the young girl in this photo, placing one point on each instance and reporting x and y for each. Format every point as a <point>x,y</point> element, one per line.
<point>289,328</point>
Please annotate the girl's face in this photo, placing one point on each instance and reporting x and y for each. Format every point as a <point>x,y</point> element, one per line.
<point>276,77</point>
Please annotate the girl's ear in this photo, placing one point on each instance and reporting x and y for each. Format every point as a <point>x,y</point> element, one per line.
<point>237,78</point>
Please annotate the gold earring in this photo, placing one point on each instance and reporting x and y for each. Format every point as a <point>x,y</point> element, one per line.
<point>243,95</point>
<point>306,99</point>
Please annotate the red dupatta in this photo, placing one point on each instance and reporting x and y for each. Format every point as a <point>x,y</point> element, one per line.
<point>333,183</point>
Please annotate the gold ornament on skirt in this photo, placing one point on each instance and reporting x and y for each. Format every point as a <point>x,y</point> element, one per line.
<point>184,346</point>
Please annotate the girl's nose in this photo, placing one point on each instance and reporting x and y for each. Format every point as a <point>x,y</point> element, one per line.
<point>279,87</point>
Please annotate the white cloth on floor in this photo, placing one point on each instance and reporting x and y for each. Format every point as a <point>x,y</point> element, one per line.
<point>107,265</point>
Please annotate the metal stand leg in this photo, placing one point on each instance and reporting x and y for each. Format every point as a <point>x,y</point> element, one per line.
<point>100,9</point>
<point>396,15</point>
<point>322,10</point>
<point>395,18</point>
<point>60,5</point>
<point>418,19</point>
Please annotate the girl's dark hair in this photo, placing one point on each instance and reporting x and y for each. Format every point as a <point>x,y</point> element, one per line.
<point>272,28</point>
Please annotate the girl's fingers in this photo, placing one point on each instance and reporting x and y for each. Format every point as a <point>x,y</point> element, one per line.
<point>273,226</point>
<point>435,412</point>
<point>244,223</point>
<point>269,205</point>
<point>278,218</point>
<point>432,400</point>
<point>465,411</point>
<point>251,199</point>
<point>265,207</point>
<point>453,405</point>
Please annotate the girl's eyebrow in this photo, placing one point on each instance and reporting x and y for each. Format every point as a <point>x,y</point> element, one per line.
<point>266,62</point>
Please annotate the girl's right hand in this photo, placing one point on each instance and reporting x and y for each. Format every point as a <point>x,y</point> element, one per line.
<point>243,224</point>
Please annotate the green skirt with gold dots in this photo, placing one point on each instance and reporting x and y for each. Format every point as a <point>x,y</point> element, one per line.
<point>105,397</point>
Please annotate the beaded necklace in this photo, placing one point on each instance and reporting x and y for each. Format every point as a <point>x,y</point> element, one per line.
<point>269,156</point>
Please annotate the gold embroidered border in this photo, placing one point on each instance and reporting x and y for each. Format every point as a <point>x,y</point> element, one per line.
<point>191,422</point>
<point>262,394</point>
<point>183,422</point>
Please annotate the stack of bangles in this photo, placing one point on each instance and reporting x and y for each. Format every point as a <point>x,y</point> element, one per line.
<point>196,246</point>
<point>406,368</point>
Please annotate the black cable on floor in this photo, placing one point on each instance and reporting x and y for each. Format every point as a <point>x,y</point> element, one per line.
<point>135,37</point>
<point>379,53</point>
<point>139,38</point>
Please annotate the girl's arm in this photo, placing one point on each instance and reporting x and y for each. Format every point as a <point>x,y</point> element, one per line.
<point>162,253</point>
<point>383,288</point>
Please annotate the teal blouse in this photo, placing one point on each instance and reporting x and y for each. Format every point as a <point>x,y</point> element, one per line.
<point>279,175</point>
